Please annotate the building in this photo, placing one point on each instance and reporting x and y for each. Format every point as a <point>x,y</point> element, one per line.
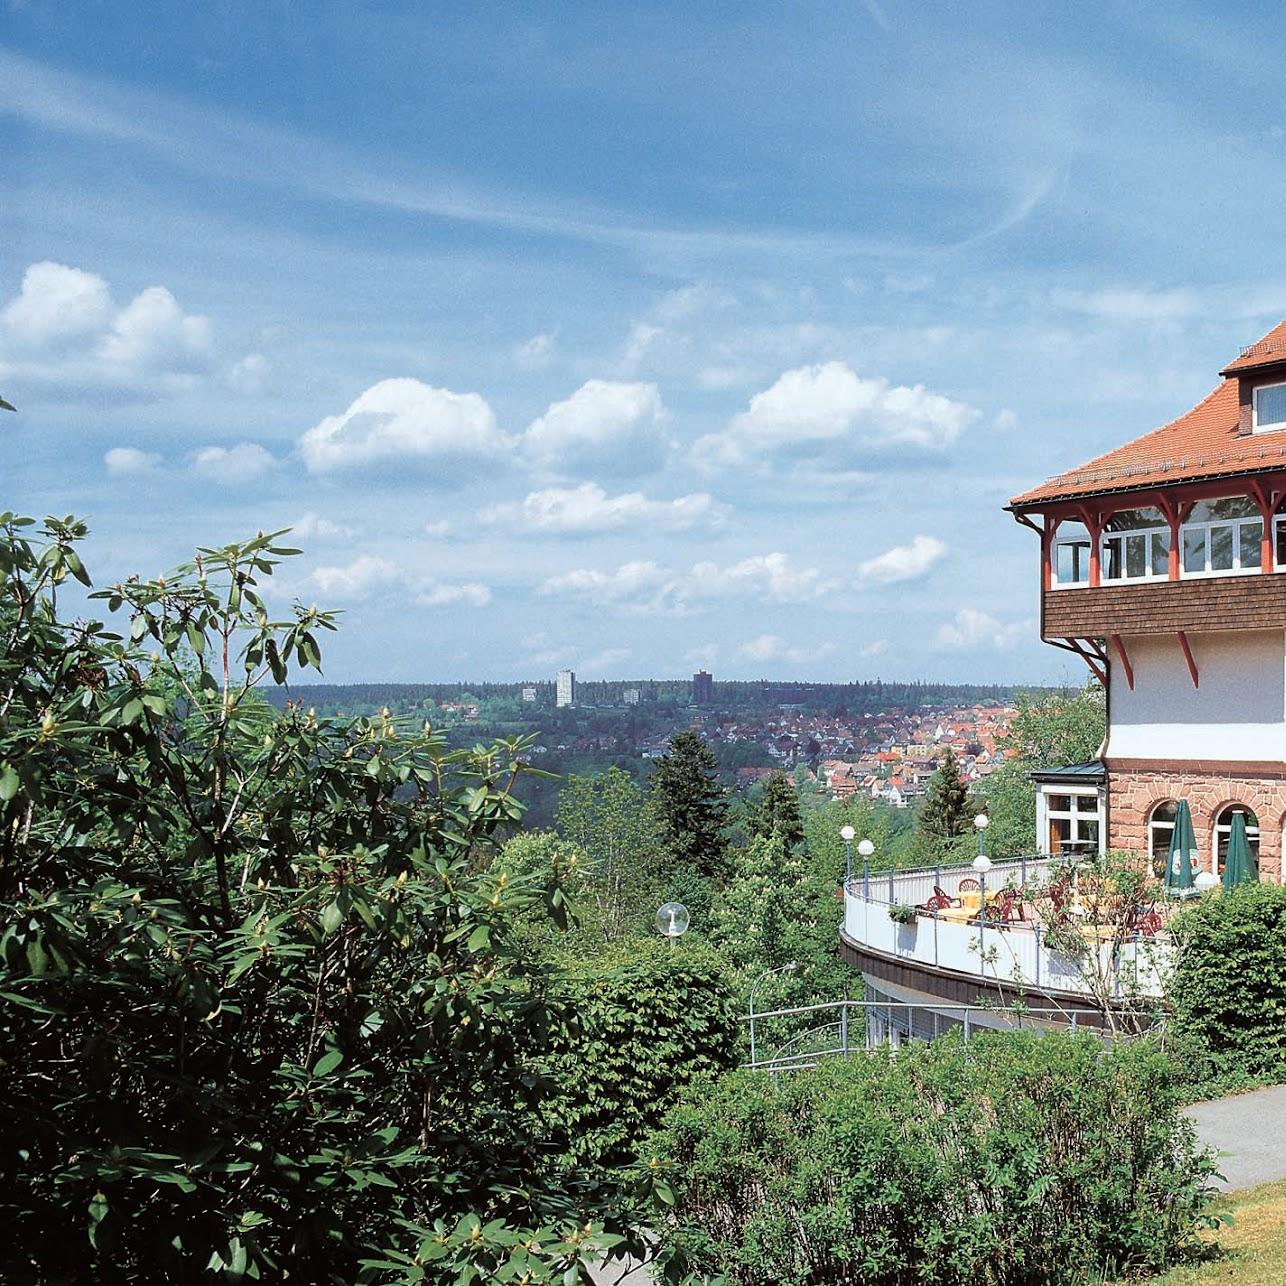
<point>630,696</point>
<point>702,688</point>
<point>1158,567</point>
<point>565,689</point>
<point>529,696</point>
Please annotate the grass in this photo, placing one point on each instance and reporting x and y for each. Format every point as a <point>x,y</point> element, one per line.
<point>1253,1247</point>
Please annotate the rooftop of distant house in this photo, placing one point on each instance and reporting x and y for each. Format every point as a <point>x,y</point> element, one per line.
<point>1206,442</point>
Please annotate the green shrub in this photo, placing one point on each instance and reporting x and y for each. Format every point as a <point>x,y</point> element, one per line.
<point>1020,1159</point>
<point>649,1021</point>
<point>1231,979</point>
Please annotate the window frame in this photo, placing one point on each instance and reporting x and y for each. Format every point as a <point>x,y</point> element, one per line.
<point>1277,426</point>
<point>1073,815</point>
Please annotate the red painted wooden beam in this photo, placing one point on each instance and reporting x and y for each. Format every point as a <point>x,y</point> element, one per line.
<point>1187,656</point>
<point>1125,660</point>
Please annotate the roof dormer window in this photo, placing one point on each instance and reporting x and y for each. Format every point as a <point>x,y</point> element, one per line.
<point>1270,408</point>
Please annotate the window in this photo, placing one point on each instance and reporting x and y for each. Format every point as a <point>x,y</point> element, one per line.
<point>1072,561</point>
<point>1160,832</point>
<point>1136,546</point>
<point>1224,545</point>
<point>1073,821</point>
<point>1223,829</point>
<point>1270,408</point>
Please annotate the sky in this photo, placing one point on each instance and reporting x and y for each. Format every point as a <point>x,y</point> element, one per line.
<point>630,339</point>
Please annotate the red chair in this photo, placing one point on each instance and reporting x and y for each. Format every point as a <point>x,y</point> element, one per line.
<point>968,885</point>
<point>938,902</point>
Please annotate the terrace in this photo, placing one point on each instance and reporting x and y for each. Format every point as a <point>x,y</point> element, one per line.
<point>928,929</point>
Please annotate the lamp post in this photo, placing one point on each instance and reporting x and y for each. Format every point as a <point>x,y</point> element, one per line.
<point>672,920</point>
<point>982,864</point>
<point>789,967</point>
<point>866,848</point>
<point>846,834</point>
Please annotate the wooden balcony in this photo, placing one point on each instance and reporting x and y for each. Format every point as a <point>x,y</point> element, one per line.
<point>1200,605</point>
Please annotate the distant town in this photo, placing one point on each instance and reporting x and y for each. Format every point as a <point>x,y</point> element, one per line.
<point>879,740</point>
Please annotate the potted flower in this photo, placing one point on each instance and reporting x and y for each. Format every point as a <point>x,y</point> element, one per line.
<point>901,914</point>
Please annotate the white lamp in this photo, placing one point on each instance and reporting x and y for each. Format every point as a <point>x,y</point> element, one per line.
<point>1206,881</point>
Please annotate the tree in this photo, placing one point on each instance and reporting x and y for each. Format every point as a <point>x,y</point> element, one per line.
<point>1052,732</point>
<point>692,804</point>
<point>608,819</point>
<point>947,812</point>
<point>777,812</point>
<point>751,914</point>
<point>261,1010</point>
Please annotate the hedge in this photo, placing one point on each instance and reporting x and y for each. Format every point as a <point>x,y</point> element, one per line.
<point>1018,1159</point>
<point>1229,990</point>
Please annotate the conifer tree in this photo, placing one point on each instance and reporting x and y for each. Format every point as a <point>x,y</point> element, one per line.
<point>948,810</point>
<point>692,803</point>
<point>777,813</point>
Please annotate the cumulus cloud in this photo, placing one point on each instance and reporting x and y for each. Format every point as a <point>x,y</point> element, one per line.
<point>404,422</point>
<point>902,562</point>
<point>971,628</point>
<point>588,508</point>
<point>312,526</point>
<point>56,304</point>
<point>833,414</point>
<point>644,586</point>
<point>368,574</point>
<point>769,647</point>
<point>604,426</point>
<point>64,332</point>
<point>240,463</point>
<point>126,462</point>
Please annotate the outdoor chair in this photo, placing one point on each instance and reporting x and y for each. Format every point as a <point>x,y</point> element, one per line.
<point>968,885</point>
<point>938,902</point>
<point>1147,922</point>
<point>940,892</point>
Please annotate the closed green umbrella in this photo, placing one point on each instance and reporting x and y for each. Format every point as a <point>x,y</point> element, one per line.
<point>1183,855</point>
<point>1238,866</point>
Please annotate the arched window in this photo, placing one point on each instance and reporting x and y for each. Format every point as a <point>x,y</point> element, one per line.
<point>1160,832</point>
<point>1223,828</point>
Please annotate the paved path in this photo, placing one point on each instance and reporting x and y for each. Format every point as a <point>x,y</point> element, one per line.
<point>1249,1131</point>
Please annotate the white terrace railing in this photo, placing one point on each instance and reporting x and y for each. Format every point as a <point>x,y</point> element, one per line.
<point>1015,955</point>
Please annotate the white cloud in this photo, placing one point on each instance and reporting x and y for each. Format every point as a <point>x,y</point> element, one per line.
<point>57,303</point>
<point>1130,306</point>
<point>437,594</point>
<point>971,628</point>
<point>604,425</point>
<point>153,334</point>
<point>311,526</point>
<point>64,333</point>
<point>644,586</point>
<point>828,411</point>
<point>240,463</point>
<point>588,508</point>
<point>368,574</point>
<point>902,562</point>
<point>705,655</point>
<point>534,354</point>
<point>356,579</point>
<point>249,376</point>
<point>402,421</point>
<point>126,462</point>
<point>877,647</point>
<point>769,647</point>
<point>438,529</point>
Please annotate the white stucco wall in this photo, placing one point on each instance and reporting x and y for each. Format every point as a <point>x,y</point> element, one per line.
<point>1238,712</point>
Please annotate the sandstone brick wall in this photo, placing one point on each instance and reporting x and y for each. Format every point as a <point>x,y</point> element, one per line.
<point>1134,791</point>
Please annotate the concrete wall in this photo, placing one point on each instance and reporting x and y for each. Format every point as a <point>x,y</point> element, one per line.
<point>1238,713</point>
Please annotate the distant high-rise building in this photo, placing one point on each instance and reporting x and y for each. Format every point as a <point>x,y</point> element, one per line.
<point>630,696</point>
<point>702,688</point>
<point>566,689</point>
<point>529,695</point>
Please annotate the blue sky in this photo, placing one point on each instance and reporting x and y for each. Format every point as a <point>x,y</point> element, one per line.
<point>626,341</point>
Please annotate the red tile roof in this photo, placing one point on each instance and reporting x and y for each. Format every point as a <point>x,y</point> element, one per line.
<point>1204,443</point>
<point>1265,352</point>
